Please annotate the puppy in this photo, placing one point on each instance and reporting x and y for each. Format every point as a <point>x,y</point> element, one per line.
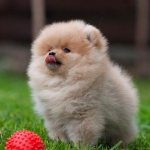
<point>82,96</point>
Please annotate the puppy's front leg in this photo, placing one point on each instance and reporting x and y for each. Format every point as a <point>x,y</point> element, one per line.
<point>56,132</point>
<point>85,132</point>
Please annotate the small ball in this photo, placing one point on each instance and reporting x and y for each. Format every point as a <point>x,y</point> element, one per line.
<point>24,140</point>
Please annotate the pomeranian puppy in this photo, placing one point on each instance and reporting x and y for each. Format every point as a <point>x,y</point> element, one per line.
<point>82,96</point>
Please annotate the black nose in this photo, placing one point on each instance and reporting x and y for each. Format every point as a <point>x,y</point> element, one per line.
<point>52,53</point>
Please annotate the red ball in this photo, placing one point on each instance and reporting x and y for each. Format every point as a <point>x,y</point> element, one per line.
<point>24,140</point>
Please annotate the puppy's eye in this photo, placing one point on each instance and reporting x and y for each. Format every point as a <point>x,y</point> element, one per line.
<point>66,50</point>
<point>50,49</point>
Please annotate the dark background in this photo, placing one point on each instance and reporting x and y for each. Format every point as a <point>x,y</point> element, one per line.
<point>117,19</point>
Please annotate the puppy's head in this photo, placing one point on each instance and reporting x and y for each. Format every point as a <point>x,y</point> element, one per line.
<point>62,46</point>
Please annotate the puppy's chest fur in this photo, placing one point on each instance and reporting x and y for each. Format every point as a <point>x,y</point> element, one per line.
<point>68,100</point>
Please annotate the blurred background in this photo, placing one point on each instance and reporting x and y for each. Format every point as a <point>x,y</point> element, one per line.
<point>125,23</point>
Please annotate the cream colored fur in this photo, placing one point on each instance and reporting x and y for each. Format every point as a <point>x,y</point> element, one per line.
<point>87,99</point>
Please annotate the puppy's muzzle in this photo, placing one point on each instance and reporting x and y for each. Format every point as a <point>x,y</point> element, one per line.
<point>51,59</point>
<point>52,53</point>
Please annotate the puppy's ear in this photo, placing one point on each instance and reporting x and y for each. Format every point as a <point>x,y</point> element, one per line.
<point>95,37</point>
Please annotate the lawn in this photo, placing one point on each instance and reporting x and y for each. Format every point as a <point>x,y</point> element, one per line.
<point>16,113</point>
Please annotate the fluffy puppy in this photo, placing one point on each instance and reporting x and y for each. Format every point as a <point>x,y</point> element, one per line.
<point>82,96</point>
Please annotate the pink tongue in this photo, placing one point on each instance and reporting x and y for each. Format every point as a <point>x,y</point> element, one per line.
<point>50,59</point>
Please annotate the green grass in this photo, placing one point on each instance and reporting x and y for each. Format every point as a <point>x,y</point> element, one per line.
<point>16,113</point>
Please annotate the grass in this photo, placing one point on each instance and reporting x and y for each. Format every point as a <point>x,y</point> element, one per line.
<point>16,113</point>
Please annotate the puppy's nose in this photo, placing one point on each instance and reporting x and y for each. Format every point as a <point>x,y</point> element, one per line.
<point>52,53</point>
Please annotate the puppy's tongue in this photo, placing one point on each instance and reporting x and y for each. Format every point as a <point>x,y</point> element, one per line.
<point>50,59</point>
